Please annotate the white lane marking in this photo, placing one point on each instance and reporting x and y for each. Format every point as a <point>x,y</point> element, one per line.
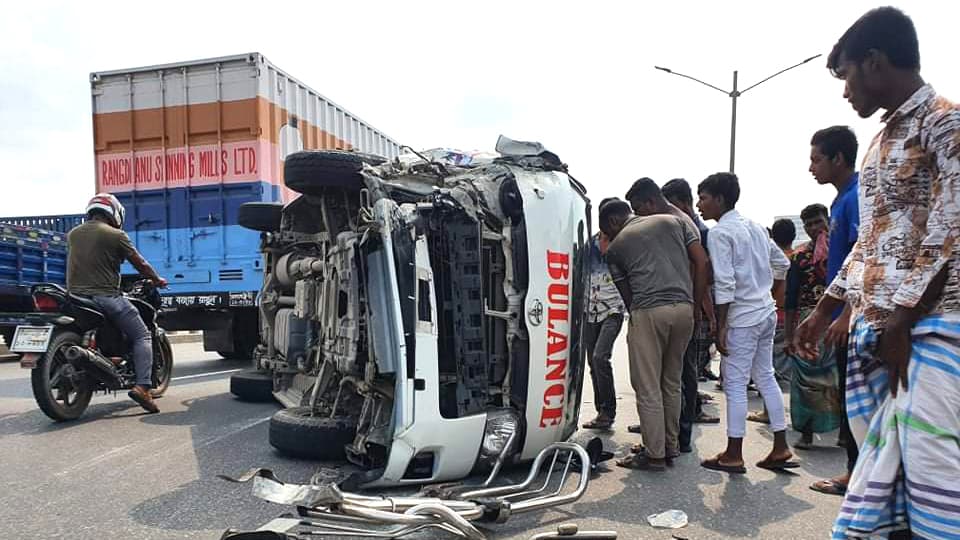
<point>231,430</point>
<point>210,374</point>
<point>102,457</point>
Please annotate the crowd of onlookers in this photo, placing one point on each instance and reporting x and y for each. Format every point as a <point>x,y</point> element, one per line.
<point>861,322</point>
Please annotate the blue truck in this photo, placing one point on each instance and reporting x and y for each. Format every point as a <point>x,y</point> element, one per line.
<point>32,250</point>
<point>183,146</point>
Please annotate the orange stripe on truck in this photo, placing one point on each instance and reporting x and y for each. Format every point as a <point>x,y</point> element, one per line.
<point>197,124</point>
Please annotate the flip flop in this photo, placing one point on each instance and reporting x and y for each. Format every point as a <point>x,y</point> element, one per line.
<point>829,487</point>
<point>778,465</point>
<point>714,465</point>
<point>634,428</point>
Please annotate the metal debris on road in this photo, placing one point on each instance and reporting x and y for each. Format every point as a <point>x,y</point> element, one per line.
<point>327,511</point>
<point>571,530</point>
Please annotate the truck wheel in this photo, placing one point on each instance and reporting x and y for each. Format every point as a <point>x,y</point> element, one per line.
<point>310,172</point>
<point>252,385</point>
<point>298,433</point>
<point>260,216</point>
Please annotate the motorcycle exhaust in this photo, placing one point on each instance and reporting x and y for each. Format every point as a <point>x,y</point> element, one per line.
<point>104,369</point>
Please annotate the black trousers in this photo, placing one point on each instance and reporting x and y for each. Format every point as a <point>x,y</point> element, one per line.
<point>599,339</point>
<point>690,405</point>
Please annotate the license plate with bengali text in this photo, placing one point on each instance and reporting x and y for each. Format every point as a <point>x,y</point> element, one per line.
<point>31,339</point>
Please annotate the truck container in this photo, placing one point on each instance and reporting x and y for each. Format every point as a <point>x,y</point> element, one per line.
<point>29,255</point>
<point>182,146</point>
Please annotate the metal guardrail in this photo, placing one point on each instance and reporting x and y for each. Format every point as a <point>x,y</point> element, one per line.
<point>59,223</point>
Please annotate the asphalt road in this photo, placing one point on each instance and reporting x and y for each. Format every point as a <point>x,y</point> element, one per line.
<point>118,473</point>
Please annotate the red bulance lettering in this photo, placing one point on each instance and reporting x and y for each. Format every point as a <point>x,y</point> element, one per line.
<point>552,413</point>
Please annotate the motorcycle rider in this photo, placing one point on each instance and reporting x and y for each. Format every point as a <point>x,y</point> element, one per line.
<point>97,248</point>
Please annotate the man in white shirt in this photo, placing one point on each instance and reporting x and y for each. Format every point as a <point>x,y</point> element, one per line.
<point>746,263</point>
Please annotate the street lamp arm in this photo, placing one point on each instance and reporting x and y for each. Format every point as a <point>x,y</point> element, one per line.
<point>670,71</point>
<point>779,72</point>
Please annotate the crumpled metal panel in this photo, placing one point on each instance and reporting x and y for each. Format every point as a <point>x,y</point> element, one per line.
<point>268,487</point>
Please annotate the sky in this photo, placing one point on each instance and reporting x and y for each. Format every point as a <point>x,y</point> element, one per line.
<point>576,76</point>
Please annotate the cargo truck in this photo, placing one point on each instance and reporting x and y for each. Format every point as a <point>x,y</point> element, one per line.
<point>183,146</point>
<point>32,250</point>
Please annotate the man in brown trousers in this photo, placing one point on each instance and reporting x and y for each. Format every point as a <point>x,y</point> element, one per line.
<point>649,259</point>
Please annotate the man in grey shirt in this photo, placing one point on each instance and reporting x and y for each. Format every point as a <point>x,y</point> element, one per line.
<point>646,198</point>
<point>649,259</point>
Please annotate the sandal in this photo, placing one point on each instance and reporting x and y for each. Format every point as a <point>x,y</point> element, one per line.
<point>714,465</point>
<point>760,417</point>
<point>829,487</point>
<point>635,428</point>
<point>778,464</point>
<point>640,462</point>
<point>639,448</point>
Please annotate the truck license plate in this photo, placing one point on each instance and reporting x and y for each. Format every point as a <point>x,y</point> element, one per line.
<point>31,339</point>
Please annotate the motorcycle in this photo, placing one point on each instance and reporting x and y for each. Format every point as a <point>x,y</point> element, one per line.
<point>73,351</point>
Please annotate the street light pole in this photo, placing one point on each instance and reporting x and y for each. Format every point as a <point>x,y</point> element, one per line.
<point>734,95</point>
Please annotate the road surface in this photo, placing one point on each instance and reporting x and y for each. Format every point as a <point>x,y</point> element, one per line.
<point>118,473</point>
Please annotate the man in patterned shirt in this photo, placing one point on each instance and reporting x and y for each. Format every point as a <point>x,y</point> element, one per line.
<point>604,321</point>
<point>902,276</point>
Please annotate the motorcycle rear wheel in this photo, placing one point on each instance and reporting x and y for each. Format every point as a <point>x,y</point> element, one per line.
<point>61,393</point>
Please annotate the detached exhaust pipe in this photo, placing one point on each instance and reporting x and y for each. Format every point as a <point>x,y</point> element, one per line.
<point>103,369</point>
<point>331,513</point>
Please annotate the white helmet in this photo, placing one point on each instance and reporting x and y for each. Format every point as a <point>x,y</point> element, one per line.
<point>110,206</point>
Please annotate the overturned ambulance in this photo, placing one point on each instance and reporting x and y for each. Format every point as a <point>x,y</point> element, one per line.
<point>422,316</point>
